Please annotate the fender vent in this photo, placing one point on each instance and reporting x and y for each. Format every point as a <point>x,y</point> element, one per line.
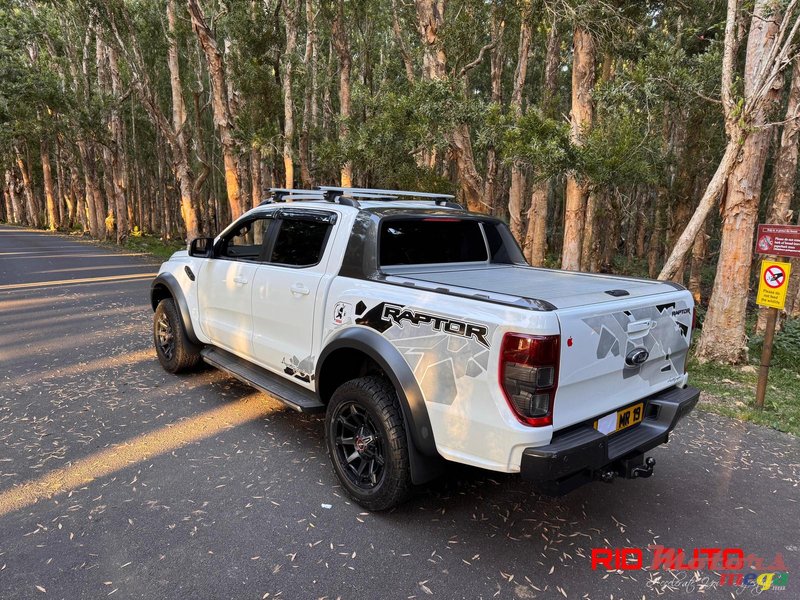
<point>618,293</point>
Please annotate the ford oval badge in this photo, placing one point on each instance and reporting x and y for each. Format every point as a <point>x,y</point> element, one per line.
<point>636,357</point>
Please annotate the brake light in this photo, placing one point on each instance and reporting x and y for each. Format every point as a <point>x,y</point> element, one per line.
<point>529,376</point>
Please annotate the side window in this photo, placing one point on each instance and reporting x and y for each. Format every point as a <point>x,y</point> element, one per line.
<point>300,243</point>
<point>246,242</point>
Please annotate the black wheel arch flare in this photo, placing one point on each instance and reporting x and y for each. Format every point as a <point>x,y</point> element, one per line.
<point>165,285</point>
<point>422,448</point>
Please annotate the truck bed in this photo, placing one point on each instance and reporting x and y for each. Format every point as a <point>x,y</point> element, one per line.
<point>561,289</point>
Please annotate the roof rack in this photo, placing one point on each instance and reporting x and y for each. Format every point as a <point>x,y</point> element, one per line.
<point>349,195</point>
<point>280,194</point>
<point>381,194</point>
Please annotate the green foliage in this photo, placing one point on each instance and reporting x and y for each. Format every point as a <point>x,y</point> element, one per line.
<point>786,346</point>
<point>540,143</point>
<point>730,391</point>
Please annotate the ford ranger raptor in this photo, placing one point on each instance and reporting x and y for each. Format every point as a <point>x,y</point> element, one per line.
<point>425,337</point>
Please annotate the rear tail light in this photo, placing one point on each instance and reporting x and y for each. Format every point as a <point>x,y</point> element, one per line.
<point>529,376</point>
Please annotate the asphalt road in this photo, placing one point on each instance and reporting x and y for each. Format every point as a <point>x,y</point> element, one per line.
<point>118,479</point>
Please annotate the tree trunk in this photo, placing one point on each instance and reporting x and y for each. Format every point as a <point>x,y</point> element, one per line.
<point>291,16</point>
<point>430,15</point>
<point>219,104</point>
<point>518,184</point>
<point>491,183</point>
<point>8,211</point>
<point>536,236</point>
<point>793,293</point>
<point>190,210</point>
<point>255,176</point>
<point>17,214</point>
<point>118,167</point>
<point>724,337</point>
<point>590,243</point>
<point>785,173</point>
<point>95,208</point>
<point>402,44</point>
<point>342,45</point>
<point>31,212</point>
<point>310,60</point>
<point>699,250</point>
<point>47,178</point>
<point>583,78</point>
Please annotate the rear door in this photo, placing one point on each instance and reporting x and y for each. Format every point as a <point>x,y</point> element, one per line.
<point>225,285</point>
<point>286,295</point>
<point>615,353</point>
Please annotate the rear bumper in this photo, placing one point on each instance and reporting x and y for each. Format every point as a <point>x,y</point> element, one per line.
<point>575,457</point>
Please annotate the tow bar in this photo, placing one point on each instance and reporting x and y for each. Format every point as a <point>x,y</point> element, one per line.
<point>630,468</point>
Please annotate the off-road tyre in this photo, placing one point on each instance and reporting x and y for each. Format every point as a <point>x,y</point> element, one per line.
<point>176,353</point>
<point>364,424</point>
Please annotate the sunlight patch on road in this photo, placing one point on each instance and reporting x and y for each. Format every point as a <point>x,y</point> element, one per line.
<point>62,282</point>
<point>147,446</point>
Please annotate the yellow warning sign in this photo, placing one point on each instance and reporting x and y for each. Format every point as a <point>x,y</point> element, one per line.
<point>773,284</point>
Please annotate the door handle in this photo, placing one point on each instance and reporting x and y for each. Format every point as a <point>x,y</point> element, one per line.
<point>299,289</point>
<point>239,280</point>
<point>640,326</point>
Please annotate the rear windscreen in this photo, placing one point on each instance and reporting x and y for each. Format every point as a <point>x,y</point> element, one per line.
<point>429,241</point>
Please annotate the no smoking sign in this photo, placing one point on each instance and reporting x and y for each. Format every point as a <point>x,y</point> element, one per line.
<point>773,284</point>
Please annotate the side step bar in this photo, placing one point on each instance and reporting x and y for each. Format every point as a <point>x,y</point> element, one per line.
<point>294,396</point>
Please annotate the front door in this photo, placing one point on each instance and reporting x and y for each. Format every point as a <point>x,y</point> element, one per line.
<point>285,297</point>
<point>225,286</point>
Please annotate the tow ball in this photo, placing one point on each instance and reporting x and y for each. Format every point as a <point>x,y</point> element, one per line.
<point>631,468</point>
<point>645,470</point>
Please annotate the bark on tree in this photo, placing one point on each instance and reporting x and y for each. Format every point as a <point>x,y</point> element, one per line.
<point>113,155</point>
<point>291,14</point>
<point>583,79</point>
<point>699,250</point>
<point>491,182</point>
<point>255,176</point>
<point>536,235</point>
<point>402,44</point>
<point>430,15</point>
<point>47,178</point>
<point>219,104</point>
<point>180,152</point>
<point>724,337</point>
<point>310,60</point>
<point>785,172</point>
<point>95,207</point>
<point>8,210</point>
<point>518,183</point>
<point>342,44</point>
<point>793,293</point>
<point>13,192</point>
<point>31,212</point>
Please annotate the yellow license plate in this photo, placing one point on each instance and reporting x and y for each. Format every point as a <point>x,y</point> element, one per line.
<point>622,419</point>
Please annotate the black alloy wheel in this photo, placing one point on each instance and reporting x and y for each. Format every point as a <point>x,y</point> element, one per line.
<point>359,447</point>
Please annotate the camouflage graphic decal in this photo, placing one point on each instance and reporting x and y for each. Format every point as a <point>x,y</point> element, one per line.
<point>444,353</point>
<point>663,331</point>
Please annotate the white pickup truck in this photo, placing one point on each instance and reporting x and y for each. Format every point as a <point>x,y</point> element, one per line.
<point>424,335</point>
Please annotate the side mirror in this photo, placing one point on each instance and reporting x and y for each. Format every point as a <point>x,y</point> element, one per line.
<point>202,247</point>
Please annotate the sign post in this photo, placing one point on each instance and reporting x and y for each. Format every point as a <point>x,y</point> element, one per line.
<point>772,286</point>
<point>773,240</point>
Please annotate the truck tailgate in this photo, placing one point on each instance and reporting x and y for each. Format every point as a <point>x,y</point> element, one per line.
<point>615,353</point>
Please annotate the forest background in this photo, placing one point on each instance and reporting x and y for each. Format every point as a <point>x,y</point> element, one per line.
<point>626,136</point>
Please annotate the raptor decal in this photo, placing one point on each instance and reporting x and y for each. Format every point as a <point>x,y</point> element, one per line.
<point>444,353</point>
